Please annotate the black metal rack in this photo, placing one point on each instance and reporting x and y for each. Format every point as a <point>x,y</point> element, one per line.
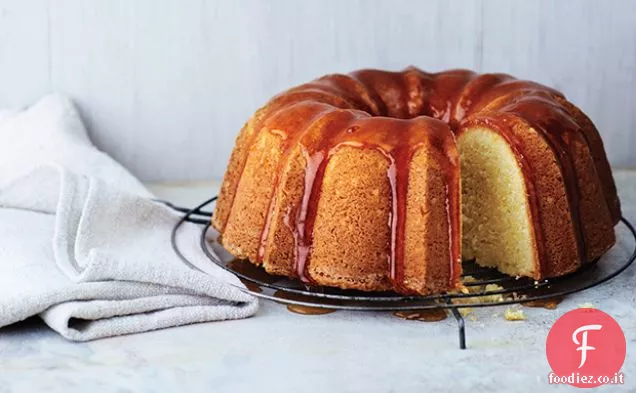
<point>506,289</point>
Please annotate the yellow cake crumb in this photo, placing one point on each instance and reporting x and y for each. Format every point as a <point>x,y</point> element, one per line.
<point>463,288</point>
<point>465,311</point>
<point>496,298</point>
<point>514,315</point>
<point>493,298</point>
<point>586,305</point>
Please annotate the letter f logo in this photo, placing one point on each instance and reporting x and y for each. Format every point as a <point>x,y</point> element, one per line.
<point>583,344</point>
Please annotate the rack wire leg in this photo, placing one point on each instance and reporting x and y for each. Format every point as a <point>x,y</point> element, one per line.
<point>461,325</point>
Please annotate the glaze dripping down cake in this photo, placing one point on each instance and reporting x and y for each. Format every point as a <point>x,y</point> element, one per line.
<point>382,180</point>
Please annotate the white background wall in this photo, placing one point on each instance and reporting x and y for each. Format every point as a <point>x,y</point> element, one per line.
<point>164,86</point>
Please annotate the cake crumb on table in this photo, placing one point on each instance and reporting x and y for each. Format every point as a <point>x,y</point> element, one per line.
<point>514,315</point>
<point>464,311</point>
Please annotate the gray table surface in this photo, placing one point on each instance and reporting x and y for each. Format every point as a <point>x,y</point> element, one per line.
<point>342,352</point>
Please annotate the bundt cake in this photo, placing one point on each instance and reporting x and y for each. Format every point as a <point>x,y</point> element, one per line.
<point>381,180</point>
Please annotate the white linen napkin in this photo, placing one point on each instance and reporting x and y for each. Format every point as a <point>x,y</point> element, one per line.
<point>83,245</point>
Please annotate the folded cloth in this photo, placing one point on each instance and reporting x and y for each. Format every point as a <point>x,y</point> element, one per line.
<point>83,246</point>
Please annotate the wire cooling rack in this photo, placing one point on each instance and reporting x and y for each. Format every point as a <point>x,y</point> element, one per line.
<point>484,287</point>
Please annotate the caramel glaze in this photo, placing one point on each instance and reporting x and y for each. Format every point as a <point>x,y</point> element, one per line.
<point>302,309</point>
<point>245,268</point>
<point>397,140</point>
<point>279,103</point>
<point>547,117</point>
<point>290,123</point>
<point>306,310</point>
<point>361,109</point>
<point>549,304</point>
<point>423,315</point>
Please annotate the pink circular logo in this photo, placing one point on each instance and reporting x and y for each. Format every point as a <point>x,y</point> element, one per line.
<point>586,348</point>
